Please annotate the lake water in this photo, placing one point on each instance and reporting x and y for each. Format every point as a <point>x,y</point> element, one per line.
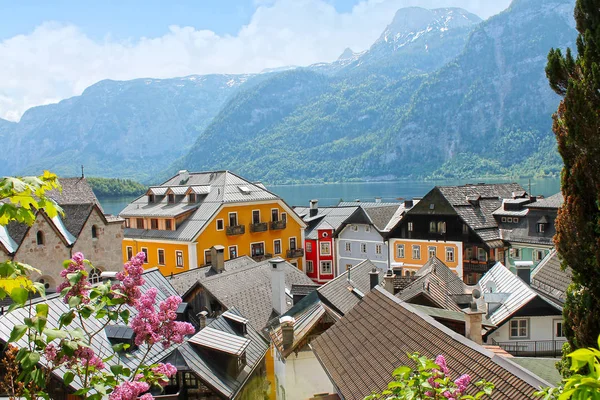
<point>331,194</point>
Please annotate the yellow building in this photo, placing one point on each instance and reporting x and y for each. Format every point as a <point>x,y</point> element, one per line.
<point>177,222</point>
<point>412,254</point>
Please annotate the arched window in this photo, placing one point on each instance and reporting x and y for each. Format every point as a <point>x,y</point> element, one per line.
<point>432,227</point>
<point>94,232</point>
<point>95,276</point>
<point>40,238</point>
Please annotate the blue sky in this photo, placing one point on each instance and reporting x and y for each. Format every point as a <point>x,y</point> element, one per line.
<point>52,50</point>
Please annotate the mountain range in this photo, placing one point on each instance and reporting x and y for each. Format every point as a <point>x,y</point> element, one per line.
<point>441,93</point>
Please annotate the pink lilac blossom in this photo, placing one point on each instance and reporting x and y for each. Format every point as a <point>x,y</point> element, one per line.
<point>462,382</point>
<point>151,327</point>
<point>131,279</point>
<point>130,391</point>
<point>441,362</point>
<point>50,352</point>
<point>82,287</point>
<point>88,358</point>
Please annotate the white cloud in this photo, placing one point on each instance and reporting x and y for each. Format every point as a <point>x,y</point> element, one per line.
<point>57,61</point>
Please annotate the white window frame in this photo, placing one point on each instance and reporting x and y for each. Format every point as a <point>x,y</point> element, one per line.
<point>479,250</point>
<point>538,255</point>
<point>330,267</point>
<point>431,249</point>
<point>541,228</point>
<point>509,220</point>
<point>295,243</point>
<point>516,253</point>
<point>158,256</point>
<point>348,246</point>
<point>129,249</point>
<point>555,327</point>
<point>283,217</point>
<point>327,245</point>
<point>515,220</point>
<point>308,247</point>
<point>222,224</point>
<point>441,227</point>
<point>280,247</point>
<point>237,254</point>
<point>368,228</point>
<point>503,219</point>
<point>177,253</point>
<point>264,248</point>
<point>450,251</point>
<point>433,227</point>
<point>417,248</point>
<point>400,251</point>
<point>354,228</point>
<point>252,216</point>
<point>518,327</point>
<point>363,248</point>
<point>145,252</point>
<point>309,266</point>
<point>378,249</point>
<point>236,218</point>
<point>410,226</point>
<point>469,253</point>
<point>274,209</point>
<point>206,258</point>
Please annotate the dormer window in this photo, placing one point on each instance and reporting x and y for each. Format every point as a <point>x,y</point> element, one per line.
<point>241,362</point>
<point>150,198</point>
<point>541,228</point>
<point>171,198</point>
<point>192,197</point>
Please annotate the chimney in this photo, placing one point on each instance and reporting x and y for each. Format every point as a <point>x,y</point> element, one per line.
<point>388,281</point>
<point>184,175</point>
<point>374,278</point>
<point>473,320</point>
<point>314,207</point>
<point>377,199</point>
<point>287,331</point>
<point>524,272</point>
<point>202,316</point>
<point>217,258</point>
<point>408,203</point>
<point>278,285</point>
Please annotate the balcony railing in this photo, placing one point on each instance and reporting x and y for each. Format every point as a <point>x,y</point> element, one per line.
<point>293,253</point>
<point>275,225</point>
<point>259,227</point>
<point>262,257</point>
<point>477,266</point>
<point>235,230</point>
<point>532,348</point>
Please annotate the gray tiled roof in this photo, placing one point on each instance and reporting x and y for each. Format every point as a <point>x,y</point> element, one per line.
<point>332,216</point>
<point>75,217</point>
<point>184,281</point>
<point>381,216</point>
<point>549,278</point>
<point>100,343</point>
<point>361,351</point>
<point>249,290</point>
<point>209,370</point>
<point>554,202</point>
<point>367,204</point>
<point>338,292</point>
<point>74,191</point>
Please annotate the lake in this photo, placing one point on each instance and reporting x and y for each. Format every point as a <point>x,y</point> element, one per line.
<point>331,194</point>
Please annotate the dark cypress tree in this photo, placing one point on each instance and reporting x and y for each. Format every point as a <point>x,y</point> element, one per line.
<point>577,129</point>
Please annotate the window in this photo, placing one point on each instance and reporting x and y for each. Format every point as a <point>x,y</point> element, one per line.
<point>168,224</point>
<point>326,267</point>
<point>450,254</point>
<point>171,198</point>
<point>220,225</point>
<point>481,254</point>
<point>40,238</point>
<point>284,217</point>
<point>541,228</point>
<point>509,219</point>
<point>432,227</point>
<point>416,250</point>
<point>129,253</point>
<point>441,227</point>
<point>309,266</point>
<point>153,223</point>
<point>407,273</point>
<point>363,247</point>
<point>150,198</point>
<point>45,282</point>
<point>400,251</point>
<point>368,228</point>
<point>410,226</point>
<point>465,229</point>
<point>325,248</point>
<point>431,251</point>
<point>192,197</point>
<point>274,214</point>
<point>538,254</point>
<point>94,232</point>
<point>558,329</point>
<point>139,223</point>
<point>127,223</point>
<point>469,253</point>
<point>515,220</point>
<point>355,228</point>
<point>161,257</point>
<point>277,246</point>
<point>95,276</point>
<point>232,252</point>
<point>308,247</point>
<point>207,257</point>
<point>516,253</point>
<point>503,219</point>
<point>233,221</point>
<point>471,279</point>
<point>378,249</point>
<point>519,329</point>
<point>145,251</point>
<point>256,216</point>
<point>257,249</point>
<point>293,243</point>
<point>348,246</point>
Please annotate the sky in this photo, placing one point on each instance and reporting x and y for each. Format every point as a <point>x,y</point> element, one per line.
<point>50,51</point>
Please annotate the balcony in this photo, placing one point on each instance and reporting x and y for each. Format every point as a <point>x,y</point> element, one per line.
<point>235,230</point>
<point>295,253</point>
<point>532,348</point>
<point>262,257</point>
<point>478,266</point>
<point>259,227</point>
<point>276,225</point>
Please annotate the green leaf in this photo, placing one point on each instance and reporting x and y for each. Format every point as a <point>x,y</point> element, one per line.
<point>17,333</point>
<point>74,301</point>
<point>52,334</point>
<point>30,360</point>
<point>125,316</point>
<point>19,295</point>
<point>41,310</point>
<point>68,378</point>
<point>401,371</point>
<point>40,324</point>
<point>66,318</point>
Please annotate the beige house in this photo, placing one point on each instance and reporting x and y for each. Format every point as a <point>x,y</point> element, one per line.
<point>49,241</point>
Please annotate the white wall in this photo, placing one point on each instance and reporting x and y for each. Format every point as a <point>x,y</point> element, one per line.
<point>303,376</point>
<point>540,328</point>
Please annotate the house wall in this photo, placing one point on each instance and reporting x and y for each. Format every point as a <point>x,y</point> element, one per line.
<point>316,256</point>
<point>412,264</point>
<point>356,235</point>
<point>302,376</point>
<point>48,258</point>
<point>527,253</point>
<point>170,249</point>
<point>105,251</point>
<point>540,328</point>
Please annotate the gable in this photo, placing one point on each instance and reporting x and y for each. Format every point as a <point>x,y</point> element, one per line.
<point>441,205</point>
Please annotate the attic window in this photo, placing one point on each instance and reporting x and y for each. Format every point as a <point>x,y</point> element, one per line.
<point>239,323</point>
<point>94,232</point>
<point>171,198</point>
<point>120,334</point>
<point>150,198</point>
<point>244,189</point>
<point>192,197</point>
<point>40,238</point>
<point>432,206</point>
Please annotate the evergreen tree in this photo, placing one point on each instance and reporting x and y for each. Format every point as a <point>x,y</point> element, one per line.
<point>577,129</point>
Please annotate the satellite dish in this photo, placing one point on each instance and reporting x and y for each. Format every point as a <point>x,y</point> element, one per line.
<point>476,293</point>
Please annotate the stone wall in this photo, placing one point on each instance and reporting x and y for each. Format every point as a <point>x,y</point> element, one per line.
<point>104,252</point>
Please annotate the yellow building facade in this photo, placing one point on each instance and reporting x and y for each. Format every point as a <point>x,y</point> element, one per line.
<point>176,227</point>
<point>412,254</point>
